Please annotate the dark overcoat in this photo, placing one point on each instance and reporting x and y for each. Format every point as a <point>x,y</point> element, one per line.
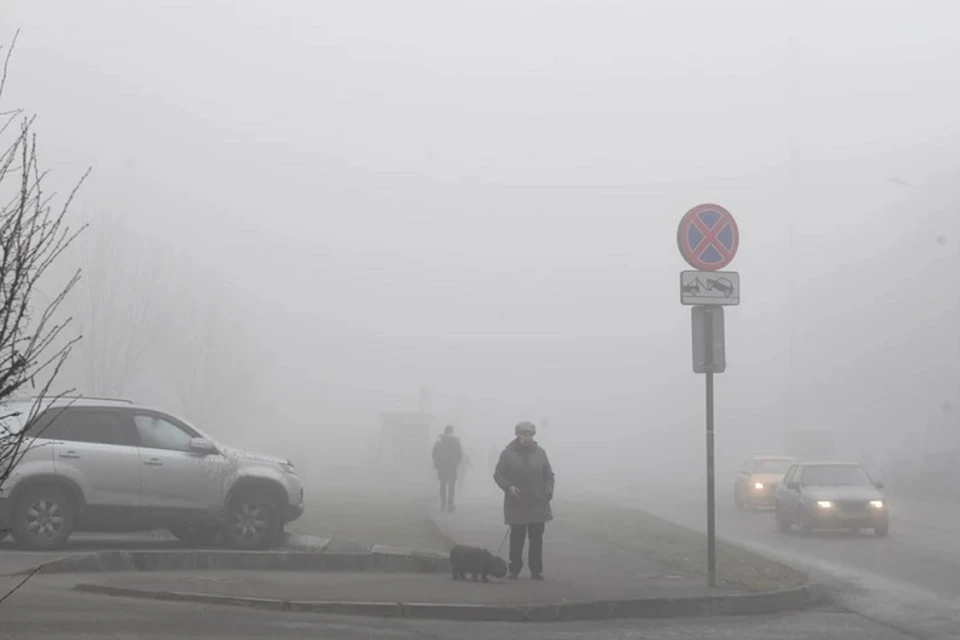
<point>528,469</point>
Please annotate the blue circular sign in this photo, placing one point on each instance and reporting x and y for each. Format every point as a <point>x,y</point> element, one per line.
<point>708,237</point>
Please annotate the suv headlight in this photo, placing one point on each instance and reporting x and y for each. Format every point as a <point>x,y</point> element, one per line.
<point>824,504</point>
<point>758,485</point>
<point>877,504</point>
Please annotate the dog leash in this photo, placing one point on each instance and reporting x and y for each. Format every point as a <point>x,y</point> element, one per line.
<point>504,541</point>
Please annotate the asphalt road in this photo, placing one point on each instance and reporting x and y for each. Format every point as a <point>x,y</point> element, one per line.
<point>45,609</point>
<point>910,580</point>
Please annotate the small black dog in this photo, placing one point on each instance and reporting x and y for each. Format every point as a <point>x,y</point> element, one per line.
<point>479,563</point>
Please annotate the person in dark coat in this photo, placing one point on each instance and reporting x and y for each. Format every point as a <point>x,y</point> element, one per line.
<point>447,455</point>
<point>526,477</point>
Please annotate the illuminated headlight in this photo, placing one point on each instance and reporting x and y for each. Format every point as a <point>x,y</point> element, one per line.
<point>877,504</point>
<point>758,485</point>
<point>824,504</point>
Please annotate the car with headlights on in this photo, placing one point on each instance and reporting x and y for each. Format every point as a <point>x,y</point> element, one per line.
<point>758,479</point>
<point>831,495</point>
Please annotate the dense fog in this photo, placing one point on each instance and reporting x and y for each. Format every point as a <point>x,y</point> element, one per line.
<point>306,214</point>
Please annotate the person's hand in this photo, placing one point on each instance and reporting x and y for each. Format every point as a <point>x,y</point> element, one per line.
<point>513,492</point>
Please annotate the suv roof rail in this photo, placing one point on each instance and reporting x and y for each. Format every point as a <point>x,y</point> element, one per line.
<point>82,397</point>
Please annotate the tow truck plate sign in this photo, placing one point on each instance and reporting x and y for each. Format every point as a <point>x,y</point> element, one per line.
<point>709,287</point>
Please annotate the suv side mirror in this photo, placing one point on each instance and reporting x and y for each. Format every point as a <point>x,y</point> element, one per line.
<point>878,485</point>
<point>202,446</point>
<point>793,486</point>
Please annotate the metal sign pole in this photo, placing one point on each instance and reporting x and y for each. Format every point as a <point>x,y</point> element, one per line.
<point>708,239</point>
<point>711,493</point>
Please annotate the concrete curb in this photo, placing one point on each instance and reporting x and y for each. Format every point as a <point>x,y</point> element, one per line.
<point>301,542</point>
<point>220,560</point>
<point>708,606</point>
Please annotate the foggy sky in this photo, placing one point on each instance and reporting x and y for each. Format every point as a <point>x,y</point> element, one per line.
<point>482,197</point>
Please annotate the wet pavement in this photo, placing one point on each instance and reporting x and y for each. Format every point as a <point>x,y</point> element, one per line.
<point>571,557</point>
<point>410,588</point>
<point>45,610</point>
<point>908,581</point>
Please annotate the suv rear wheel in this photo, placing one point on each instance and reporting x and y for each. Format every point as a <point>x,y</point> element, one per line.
<point>253,520</point>
<point>43,518</point>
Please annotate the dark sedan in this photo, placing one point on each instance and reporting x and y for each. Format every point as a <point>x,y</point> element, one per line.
<point>831,495</point>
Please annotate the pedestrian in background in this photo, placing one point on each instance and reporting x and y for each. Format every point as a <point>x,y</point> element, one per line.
<point>526,477</point>
<point>447,455</point>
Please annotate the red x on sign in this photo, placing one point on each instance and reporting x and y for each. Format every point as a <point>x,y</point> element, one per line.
<point>708,237</point>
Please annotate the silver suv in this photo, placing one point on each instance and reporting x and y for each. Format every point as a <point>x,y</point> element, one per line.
<point>111,465</point>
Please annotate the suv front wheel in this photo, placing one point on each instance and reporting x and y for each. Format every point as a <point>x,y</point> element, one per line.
<point>43,518</point>
<point>253,520</point>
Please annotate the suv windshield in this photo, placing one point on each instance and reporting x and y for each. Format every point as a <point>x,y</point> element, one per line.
<point>835,475</point>
<point>771,466</point>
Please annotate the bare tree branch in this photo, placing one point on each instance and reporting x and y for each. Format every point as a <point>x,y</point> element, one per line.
<point>33,236</point>
<point>6,61</point>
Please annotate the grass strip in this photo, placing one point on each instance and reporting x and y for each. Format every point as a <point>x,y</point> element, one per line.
<point>678,549</point>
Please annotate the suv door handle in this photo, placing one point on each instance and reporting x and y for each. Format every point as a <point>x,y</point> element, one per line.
<point>69,454</point>
<point>153,462</point>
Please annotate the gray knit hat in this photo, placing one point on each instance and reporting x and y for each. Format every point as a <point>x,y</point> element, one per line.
<point>525,427</point>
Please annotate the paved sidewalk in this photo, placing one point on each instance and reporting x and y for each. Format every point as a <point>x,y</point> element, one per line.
<point>42,611</point>
<point>372,587</point>
<point>578,570</point>
<point>571,558</point>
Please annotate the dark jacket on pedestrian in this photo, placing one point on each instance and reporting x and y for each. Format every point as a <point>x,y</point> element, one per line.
<point>528,469</point>
<point>447,456</point>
